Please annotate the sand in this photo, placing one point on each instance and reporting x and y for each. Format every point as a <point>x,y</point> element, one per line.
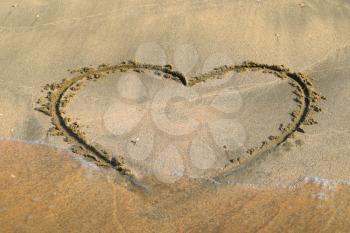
<point>152,130</point>
<point>48,190</point>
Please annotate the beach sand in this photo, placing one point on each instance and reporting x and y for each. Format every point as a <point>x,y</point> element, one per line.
<point>47,190</point>
<point>184,145</point>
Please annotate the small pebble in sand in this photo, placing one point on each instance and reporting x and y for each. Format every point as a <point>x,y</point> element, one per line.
<point>301,4</point>
<point>12,176</point>
<point>134,141</point>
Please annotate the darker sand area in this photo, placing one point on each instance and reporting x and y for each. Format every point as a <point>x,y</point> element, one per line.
<point>51,191</point>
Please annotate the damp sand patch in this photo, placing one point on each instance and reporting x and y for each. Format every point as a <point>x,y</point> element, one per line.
<point>48,191</point>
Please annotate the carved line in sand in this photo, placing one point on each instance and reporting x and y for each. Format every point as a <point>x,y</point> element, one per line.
<point>58,96</point>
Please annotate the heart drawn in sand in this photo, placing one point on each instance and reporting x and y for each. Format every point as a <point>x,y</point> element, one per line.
<point>58,95</point>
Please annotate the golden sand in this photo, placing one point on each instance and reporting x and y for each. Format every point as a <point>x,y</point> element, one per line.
<point>50,191</point>
<point>43,189</point>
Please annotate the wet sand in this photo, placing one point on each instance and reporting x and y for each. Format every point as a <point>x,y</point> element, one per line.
<point>52,191</point>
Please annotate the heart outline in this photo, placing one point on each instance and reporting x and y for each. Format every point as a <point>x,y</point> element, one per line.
<point>57,98</point>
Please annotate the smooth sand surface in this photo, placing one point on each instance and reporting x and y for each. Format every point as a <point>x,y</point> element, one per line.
<point>51,191</point>
<point>166,132</point>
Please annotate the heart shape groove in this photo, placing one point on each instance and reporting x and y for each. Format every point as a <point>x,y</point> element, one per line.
<point>58,95</point>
